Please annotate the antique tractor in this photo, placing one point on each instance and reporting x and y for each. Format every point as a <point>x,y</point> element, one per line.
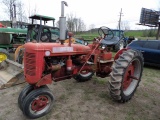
<point>11,71</point>
<point>47,62</point>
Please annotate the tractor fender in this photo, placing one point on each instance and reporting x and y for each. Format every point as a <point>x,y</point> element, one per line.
<point>47,79</point>
<point>16,54</point>
<point>119,53</point>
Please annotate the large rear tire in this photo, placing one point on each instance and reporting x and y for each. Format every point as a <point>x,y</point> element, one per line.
<point>38,103</point>
<point>126,75</point>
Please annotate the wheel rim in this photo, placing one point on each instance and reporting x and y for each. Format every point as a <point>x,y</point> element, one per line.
<point>131,77</point>
<point>2,57</point>
<point>40,104</point>
<point>85,73</point>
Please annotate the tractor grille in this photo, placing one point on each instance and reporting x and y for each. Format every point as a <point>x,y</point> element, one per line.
<point>30,64</point>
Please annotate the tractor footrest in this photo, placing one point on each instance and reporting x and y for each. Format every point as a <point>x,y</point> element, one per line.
<point>106,61</point>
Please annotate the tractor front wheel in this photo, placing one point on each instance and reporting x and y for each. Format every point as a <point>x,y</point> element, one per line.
<point>27,89</point>
<point>126,75</point>
<point>38,103</point>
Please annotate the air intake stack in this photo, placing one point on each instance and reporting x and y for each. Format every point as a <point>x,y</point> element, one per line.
<point>62,20</point>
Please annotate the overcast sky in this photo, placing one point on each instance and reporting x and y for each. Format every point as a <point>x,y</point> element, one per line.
<point>97,12</point>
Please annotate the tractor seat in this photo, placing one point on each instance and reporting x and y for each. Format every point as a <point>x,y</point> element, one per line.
<point>110,41</point>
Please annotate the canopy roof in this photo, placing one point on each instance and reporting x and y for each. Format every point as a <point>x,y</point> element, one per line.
<point>38,17</point>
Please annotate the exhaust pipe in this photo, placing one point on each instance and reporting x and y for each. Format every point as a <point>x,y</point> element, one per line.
<point>14,21</point>
<point>62,20</point>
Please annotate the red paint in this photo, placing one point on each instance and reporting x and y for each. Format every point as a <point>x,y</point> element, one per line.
<point>119,53</point>
<point>47,79</point>
<point>127,79</point>
<point>69,64</point>
<point>35,67</point>
<point>39,103</point>
<point>106,56</point>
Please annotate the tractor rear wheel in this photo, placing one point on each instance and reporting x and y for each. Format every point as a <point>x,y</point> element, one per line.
<point>126,75</point>
<point>38,103</point>
<point>4,54</point>
<point>84,75</point>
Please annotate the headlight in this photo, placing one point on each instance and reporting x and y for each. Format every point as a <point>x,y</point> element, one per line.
<point>103,46</point>
<point>47,53</point>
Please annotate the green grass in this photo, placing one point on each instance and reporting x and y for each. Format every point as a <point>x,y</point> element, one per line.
<point>87,36</point>
<point>99,81</point>
<point>136,33</point>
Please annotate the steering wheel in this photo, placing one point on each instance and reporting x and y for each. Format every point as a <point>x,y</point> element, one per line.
<point>46,36</point>
<point>105,31</point>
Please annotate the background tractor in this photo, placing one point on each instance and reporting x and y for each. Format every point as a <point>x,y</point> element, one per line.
<point>38,32</point>
<point>11,37</point>
<point>118,41</point>
<point>47,62</point>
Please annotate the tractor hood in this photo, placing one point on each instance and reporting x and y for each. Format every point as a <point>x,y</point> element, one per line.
<point>57,48</point>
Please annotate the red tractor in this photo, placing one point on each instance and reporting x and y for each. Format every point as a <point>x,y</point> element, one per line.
<point>47,62</point>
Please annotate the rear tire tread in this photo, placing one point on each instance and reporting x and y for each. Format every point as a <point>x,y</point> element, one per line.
<point>116,79</point>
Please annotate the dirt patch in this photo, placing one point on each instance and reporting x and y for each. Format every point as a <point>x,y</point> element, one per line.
<point>91,101</point>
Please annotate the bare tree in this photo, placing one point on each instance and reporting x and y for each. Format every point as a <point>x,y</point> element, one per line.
<point>81,25</point>
<point>91,27</point>
<point>9,7</point>
<point>75,24</point>
<point>21,15</point>
<point>124,25</point>
<point>70,22</point>
<point>31,11</point>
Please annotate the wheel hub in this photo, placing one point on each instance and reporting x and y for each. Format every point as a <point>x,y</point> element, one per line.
<point>127,77</point>
<point>2,57</point>
<point>39,103</point>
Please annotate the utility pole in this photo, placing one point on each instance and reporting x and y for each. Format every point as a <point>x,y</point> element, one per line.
<point>158,32</point>
<point>119,22</point>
